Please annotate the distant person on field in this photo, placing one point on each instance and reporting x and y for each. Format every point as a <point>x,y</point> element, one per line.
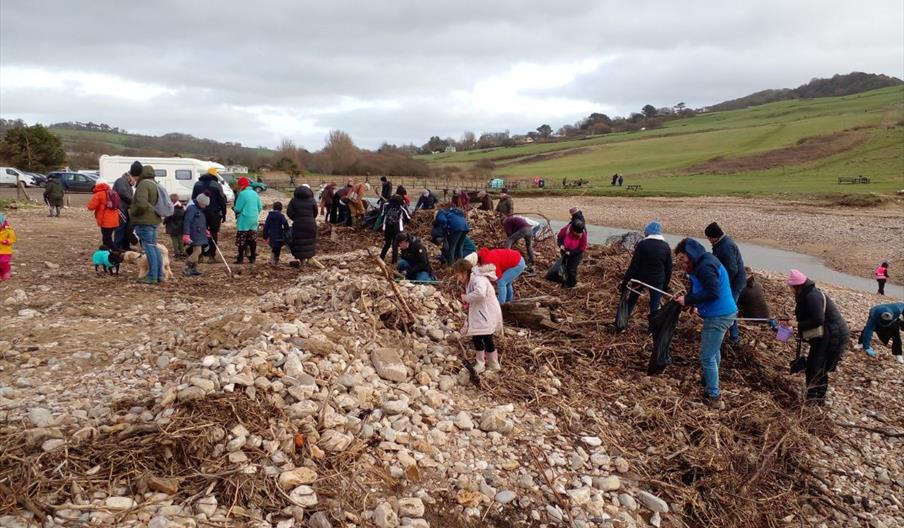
<point>326,201</point>
<point>505,206</point>
<point>247,210</point>
<point>125,188</point>
<point>882,277</point>
<point>7,240</point>
<point>650,264</point>
<point>275,228</point>
<point>725,249</point>
<point>215,213</point>
<point>711,295</point>
<point>886,321</point>
<point>54,194</point>
<point>517,228</point>
<point>173,226</point>
<point>427,200</point>
<point>614,179</point>
<point>816,313</point>
<point>461,199</point>
<point>621,180</point>
<point>105,204</point>
<point>486,201</point>
<point>194,233</point>
<point>145,220</point>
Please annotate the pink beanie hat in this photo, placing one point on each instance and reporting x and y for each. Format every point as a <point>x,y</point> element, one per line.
<point>796,278</point>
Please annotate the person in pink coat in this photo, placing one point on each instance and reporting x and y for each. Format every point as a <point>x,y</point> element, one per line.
<point>484,311</point>
<point>881,277</point>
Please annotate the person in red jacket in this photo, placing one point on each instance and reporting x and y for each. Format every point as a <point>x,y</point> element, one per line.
<point>105,204</point>
<point>572,242</point>
<point>509,265</point>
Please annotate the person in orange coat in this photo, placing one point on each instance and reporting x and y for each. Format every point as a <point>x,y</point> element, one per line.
<point>105,204</point>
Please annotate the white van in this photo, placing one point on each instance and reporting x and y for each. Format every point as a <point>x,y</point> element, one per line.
<point>10,175</point>
<point>176,175</point>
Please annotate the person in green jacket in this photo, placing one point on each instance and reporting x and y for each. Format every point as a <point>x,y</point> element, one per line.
<point>145,220</point>
<point>247,210</point>
<point>54,194</point>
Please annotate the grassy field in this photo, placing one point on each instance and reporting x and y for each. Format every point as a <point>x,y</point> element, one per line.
<point>674,159</point>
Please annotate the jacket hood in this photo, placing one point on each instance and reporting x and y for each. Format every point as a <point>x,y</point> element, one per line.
<point>456,211</point>
<point>147,173</point>
<point>303,192</point>
<point>694,249</point>
<point>483,253</point>
<point>805,288</point>
<point>100,186</point>
<point>486,270</point>
<point>208,177</point>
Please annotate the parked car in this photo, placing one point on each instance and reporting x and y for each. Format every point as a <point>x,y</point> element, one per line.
<point>9,175</point>
<point>39,178</point>
<point>75,182</point>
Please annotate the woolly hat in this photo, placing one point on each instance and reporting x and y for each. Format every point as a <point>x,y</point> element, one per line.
<point>796,278</point>
<point>213,171</point>
<point>243,182</point>
<point>426,193</point>
<point>135,169</point>
<point>713,231</point>
<point>305,185</point>
<point>472,258</point>
<point>202,200</point>
<point>653,228</point>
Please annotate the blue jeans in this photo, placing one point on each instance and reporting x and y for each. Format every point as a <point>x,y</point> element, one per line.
<point>506,291</point>
<point>454,250</point>
<point>404,266</point>
<point>734,333</point>
<point>711,337</point>
<point>147,234</point>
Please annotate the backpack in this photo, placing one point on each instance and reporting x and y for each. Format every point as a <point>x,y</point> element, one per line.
<point>392,216</point>
<point>113,201</point>
<point>164,207</point>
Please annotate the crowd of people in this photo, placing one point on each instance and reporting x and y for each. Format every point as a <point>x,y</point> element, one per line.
<point>720,288</point>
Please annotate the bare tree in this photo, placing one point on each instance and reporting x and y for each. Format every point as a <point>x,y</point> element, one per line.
<point>468,141</point>
<point>341,151</point>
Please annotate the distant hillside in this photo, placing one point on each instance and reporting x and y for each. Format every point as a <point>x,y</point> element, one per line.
<point>852,83</point>
<point>86,142</point>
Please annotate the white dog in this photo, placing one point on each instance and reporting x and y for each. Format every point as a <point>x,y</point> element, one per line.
<point>142,260</point>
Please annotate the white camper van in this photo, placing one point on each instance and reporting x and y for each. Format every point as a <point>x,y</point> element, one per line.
<point>176,175</point>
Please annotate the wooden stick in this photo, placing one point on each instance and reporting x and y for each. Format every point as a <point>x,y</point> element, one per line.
<point>388,275</point>
<point>24,501</point>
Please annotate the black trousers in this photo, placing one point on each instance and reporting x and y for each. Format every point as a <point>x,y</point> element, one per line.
<point>881,286</point>
<point>106,236</point>
<point>822,359</point>
<point>571,263</point>
<point>890,333</point>
<point>484,343</point>
<point>389,241</point>
<point>213,225</point>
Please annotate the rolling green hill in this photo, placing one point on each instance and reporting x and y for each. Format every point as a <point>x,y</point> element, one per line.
<point>796,146</point>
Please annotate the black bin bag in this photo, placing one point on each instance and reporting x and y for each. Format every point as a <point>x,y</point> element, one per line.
<point>621,313</point>
<point>662,328</point>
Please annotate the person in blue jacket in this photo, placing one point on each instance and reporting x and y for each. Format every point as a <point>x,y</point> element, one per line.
<point>712,297</point>
<point>455,228</point>
<point>885,320</point>
<point>725,249</point>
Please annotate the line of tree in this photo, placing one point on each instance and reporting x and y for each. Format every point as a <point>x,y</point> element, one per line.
<point>33,149</point>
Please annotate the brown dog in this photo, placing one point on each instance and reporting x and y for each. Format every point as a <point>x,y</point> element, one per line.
<point>142,261</point>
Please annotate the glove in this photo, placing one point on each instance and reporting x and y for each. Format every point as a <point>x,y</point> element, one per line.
<point>869,351</point>
<point>186,240</point>
<point>773,324</point>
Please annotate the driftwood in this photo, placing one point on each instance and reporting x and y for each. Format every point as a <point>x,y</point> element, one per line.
<point>527,314</point>
<point>395,289</point>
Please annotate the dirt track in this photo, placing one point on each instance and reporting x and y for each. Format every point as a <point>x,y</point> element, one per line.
<point>852,240</point>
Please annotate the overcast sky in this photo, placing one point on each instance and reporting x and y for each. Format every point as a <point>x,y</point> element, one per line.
<point>401,71</point>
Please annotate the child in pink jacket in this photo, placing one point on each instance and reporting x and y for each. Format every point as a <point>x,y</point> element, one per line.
<point>484,312</point>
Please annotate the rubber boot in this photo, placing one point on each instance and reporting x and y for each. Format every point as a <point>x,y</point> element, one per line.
<point>241,257</point>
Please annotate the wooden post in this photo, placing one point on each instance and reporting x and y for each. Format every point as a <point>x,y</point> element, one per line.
<point>21,192</point>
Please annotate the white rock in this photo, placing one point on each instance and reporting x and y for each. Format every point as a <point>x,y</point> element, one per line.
<point>334,441</point>
<point>463,421</point>
<point>304,496</point>
<point>159,522</point>
<point>40,417</point>
<point>120,503</point>
<point>495,420</point>
<point>610,483</point>
<point>53,443</point>
<point>206,505</point>
<point>385,517</point>
<point>652,502</point>
<point>592,441</point>
<point>505,496</point>
<point>627,501</point>
<point>388,365</point>
<point>295,477</point>
<point>411,507</point>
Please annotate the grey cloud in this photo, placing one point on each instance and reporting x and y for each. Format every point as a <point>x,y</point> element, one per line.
<point>307,57</point>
